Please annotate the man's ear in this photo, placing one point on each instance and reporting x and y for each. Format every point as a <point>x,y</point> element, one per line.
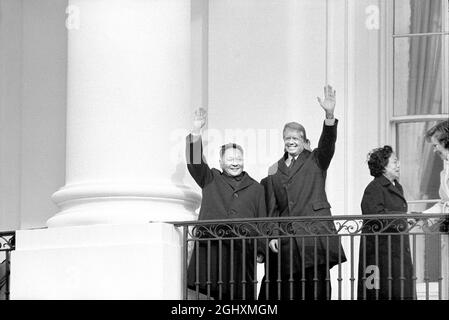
<point>221,163</point>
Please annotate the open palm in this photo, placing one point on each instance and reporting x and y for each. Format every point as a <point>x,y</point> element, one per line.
<point>328,103</point>
<point>200,118</point>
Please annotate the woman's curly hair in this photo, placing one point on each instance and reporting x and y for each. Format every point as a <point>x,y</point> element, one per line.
<point>441,133</point>
<point>378,160</point>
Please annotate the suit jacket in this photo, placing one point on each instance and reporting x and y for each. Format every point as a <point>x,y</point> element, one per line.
<point>300,191</point>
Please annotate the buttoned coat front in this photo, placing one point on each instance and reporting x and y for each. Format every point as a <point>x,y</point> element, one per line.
<point>223,200</point>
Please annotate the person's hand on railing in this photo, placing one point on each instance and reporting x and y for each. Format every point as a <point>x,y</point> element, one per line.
<point>274,245</point>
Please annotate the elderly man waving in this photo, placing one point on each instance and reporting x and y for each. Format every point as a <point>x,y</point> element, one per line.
<point>227,194</point>
<point>295,186</point>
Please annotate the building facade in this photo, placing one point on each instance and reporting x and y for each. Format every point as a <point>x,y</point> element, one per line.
<point>96,97</point>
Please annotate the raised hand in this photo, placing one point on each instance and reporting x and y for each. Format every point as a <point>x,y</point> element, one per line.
<point>199,120</point>
<point>328,104</point>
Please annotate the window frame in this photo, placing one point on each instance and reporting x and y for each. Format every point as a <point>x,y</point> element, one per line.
<point>390,121</point>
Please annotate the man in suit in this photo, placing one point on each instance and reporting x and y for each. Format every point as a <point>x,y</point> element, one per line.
<point>295,187</point>
<point>227,194</point>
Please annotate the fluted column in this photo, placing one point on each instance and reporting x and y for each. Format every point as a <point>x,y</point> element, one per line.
<point>128,91</point>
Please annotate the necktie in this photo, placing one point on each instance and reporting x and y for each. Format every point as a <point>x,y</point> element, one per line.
<point>292,163</point>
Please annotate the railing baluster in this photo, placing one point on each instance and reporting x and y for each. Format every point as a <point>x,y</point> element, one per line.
<point>255,269</point>
<point>185,243</point>
<point>220,269</point>
<point>402,278</point>
<point>231,273</point>
<point>414,267</point>
<point>390,278</point>
<point>376,259</point>
<point>445,270</point>
<point>426,272</point>
<point>8,274</point>
<point>328,280</point>
<point>315,269</point>
<point>244,269</point>
<point>290,280</point>
<point>279,281</point>
<point>440,278</point>
<point>208,283</point>
<point>303,270</point>
<point>339,279</point>
<point>352,279</point>
<point>363,240</point>
<point>197,269</point>
<point>7,245</point>
<point>267,269</point>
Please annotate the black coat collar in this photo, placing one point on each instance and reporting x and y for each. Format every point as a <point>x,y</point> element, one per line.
<point>300,160</point>
<point>245,182</point>
<point>391,187</point>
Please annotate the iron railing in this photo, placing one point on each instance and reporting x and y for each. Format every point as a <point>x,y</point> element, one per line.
<point>393,253</point>
<point>7,244</point>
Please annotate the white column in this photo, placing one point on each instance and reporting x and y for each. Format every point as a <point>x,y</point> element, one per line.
<point>128,96</point>
<point>128,91</point>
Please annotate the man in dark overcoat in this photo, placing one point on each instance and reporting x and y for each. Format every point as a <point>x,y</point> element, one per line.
<point>295,187</point>
<point>227,194</point>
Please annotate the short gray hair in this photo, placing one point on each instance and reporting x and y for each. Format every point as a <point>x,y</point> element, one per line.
<point>295,126</point>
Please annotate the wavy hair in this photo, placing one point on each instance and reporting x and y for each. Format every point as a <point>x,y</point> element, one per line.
<point>378,159</point>
<point>441,132</point>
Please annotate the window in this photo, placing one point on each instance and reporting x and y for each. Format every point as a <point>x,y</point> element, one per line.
<point>420,94</point>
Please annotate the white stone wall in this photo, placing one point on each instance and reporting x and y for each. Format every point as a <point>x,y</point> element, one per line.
<point>33,60</point>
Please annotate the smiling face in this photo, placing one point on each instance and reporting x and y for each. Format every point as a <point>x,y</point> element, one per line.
<point>232,162</point>
<point>439,149</point>
<point>293,141</point>
<point>392,170</point>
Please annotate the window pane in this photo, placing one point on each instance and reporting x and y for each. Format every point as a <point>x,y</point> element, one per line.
<point>417,16</point>
<point>447,15</point>
<point>420,167</point>
<point>446,74</point>
<point>417,75</point>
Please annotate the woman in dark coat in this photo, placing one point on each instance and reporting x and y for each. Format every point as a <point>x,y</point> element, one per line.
<point>227,194</point>
<point>391,262</point>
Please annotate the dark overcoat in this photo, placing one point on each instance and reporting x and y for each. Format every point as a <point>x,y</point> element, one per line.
<point>383,197</point>
<point>224,200</point>
<point>300,191</point>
